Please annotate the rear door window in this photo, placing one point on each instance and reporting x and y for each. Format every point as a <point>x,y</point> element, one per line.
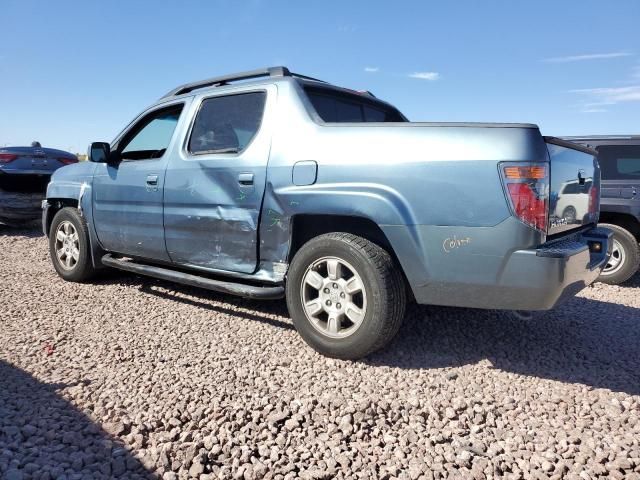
<point>227,124</point>
<point>619,162</point>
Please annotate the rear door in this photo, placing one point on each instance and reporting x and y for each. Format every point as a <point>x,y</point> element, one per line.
<point>620,177</point>
<point>215,184</point>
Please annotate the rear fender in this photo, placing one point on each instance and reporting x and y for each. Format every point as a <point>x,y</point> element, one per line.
<point>380,204</point>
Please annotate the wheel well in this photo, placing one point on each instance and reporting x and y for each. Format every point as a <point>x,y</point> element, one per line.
<point>57,204</point>
<point>306,227</point>
<point>628,222</point>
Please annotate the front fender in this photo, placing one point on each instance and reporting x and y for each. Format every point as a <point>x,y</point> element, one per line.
<point>72,186</point>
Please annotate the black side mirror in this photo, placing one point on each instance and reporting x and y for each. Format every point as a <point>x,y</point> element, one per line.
<point>99,152</point>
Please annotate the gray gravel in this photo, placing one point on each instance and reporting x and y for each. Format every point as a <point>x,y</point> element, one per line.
<point>132,378</point>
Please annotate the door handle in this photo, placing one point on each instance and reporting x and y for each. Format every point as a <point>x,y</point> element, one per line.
<point>152,180</point>
<point>245,178</point>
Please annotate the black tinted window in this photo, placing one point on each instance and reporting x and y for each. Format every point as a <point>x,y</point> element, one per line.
<point>227,124</point>
<point>334,106</point>
<point>374,115</point>
<point>150,137</point>
<point>619,161</point>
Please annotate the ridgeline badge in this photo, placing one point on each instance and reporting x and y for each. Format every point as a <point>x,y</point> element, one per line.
<point>451,243</point>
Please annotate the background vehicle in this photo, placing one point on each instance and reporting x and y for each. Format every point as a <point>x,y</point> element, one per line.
<point>24,175</point>
<point>287,185</point>
<point>619,158</point>
<point>571,204</point>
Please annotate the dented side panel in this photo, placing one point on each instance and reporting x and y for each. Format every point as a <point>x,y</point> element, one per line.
<point>212,201</point>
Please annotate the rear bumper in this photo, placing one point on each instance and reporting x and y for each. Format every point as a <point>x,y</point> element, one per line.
<point>532,279</point>
<point>19,207</point>
<point>542,278</point>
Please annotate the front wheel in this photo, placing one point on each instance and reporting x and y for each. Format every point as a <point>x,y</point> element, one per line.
<point>69,246</point>
<point>625,257</point>
<point>345,295</point>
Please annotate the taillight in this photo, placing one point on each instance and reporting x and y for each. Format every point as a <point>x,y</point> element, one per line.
<point>68,161</point>
<point>527,186</point>
<point>7,157</point>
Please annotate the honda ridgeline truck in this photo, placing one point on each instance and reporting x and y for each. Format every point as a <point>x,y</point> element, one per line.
<point>268,184</point>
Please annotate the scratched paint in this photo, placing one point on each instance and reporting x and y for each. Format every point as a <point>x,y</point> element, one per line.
<point>452,243</point>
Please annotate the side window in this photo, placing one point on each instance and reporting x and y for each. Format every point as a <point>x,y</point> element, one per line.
<point>150,137</point>
<point>227,124</point>
<point>619,162</point>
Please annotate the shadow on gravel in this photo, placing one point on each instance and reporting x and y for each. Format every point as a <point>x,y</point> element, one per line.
<point>44,436</point>
<point>200,300</point>
<point>585,341</point>
<point>32,230</point>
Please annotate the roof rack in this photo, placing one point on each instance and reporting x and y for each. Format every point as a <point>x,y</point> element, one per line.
<point>234,77</point>
<point>602,137</point>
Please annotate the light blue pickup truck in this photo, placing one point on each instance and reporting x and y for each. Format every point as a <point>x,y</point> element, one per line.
<point>268,184</point>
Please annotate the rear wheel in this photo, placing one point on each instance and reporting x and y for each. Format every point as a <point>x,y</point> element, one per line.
<point>69,246</point>
<point>345,295</point>
<point>625,257</point>
<point>570,215</point>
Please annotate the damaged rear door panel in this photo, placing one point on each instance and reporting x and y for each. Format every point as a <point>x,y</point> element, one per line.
<point>213,193</point>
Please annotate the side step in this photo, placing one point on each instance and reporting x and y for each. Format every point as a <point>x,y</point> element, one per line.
<point>240,289</point>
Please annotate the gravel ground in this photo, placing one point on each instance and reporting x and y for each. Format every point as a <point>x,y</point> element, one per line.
<point>133,378</point>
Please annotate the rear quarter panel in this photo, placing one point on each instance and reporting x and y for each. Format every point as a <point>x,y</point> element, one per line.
<point>421,183</point>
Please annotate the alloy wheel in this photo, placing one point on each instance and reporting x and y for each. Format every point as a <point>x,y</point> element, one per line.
<point>67,245</point>
<point>333,297</point>
<point>616,260</point>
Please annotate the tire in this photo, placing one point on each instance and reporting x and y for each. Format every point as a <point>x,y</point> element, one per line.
<point>368,317</point>
<point>625,258</point>
<point>74,265</point>
<point>570,215</point>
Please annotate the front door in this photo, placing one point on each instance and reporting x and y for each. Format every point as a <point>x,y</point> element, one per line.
<point>127,202</point>
<point>215,184</point>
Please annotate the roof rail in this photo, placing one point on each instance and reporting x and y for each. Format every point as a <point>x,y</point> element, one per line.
<point>601,137</point>
<point>234,77</point>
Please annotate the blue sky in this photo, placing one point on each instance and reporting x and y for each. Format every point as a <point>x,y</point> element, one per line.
<point>75,72</point>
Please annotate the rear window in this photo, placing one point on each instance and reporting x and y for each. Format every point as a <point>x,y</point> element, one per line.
<point>339,107</point>
<point>619,161</point>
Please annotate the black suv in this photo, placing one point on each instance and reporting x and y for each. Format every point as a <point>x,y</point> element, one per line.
<point>619,158</point>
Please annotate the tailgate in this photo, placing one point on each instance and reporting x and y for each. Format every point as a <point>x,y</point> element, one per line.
<point>574,190</point>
